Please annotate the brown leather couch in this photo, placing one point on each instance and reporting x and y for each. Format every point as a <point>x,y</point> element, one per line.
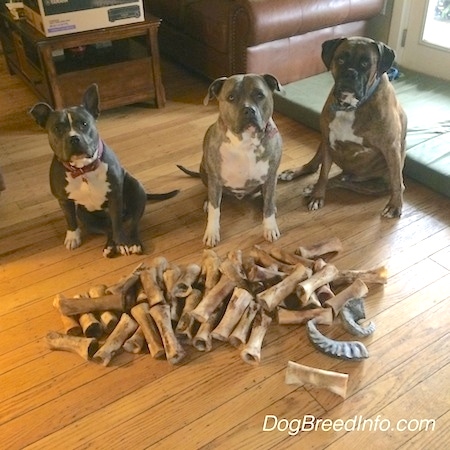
<point>283,37</point>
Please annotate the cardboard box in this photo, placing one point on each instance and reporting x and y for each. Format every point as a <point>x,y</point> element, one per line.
<point>56,17</point>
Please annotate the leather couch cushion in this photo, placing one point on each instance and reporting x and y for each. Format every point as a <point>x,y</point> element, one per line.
<point>207,21</point>
<point>302,16</point>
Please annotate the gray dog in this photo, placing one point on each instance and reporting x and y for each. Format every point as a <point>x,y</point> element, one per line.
<point>242,149</point>
<point>87,179</point>
<point>363,125</point>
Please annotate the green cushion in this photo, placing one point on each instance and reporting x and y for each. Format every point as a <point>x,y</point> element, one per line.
<point>426,101</point>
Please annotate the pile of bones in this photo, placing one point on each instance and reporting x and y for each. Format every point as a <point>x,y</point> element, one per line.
<point>164,307</point>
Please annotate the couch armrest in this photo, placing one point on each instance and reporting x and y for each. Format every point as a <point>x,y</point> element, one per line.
<point>270,20</point>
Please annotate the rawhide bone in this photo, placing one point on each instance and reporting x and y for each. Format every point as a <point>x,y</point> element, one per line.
<point>240,299</point>
<point>187,325</point>
<point>108,319</point>
<point>320,249</point>
<point>141,314</point>
<point>120,297</point>
<point>273,296</point>
<point>83,346</point>
<point>333,381</point>
<point>241,332</point>
<point>251,352</point>
<point>213,299</point>
<point>210,272</point>
<point>173,349</point>
<point>113,344</point>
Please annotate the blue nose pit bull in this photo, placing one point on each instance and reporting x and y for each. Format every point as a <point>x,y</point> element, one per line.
<point>242,149</point>
<point>88,180</point>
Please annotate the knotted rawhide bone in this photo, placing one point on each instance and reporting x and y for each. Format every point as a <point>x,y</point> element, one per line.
<point>141,313</point>
<point>83,346</point>
<point>251,352</point>
<point>273,296</point>
<point>240,299</point>
<point>320,249</point>
<point>333,381</point>
<point>114,342</point>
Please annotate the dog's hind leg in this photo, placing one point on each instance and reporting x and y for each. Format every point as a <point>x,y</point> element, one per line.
<point>98,222</point>
<point>135,199</point>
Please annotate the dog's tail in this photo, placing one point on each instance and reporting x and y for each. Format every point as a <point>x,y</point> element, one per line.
<point>191,173</point>
<point>163,196</point>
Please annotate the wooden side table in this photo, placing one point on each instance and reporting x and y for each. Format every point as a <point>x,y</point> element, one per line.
<point>124,61</point>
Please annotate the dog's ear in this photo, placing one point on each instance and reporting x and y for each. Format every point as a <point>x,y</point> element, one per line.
<point>328,49</point>
<point>386,58</point>
<point>91,100</point>
<point>214,89</point>
<point>41,112</point>
<point>272,82</point>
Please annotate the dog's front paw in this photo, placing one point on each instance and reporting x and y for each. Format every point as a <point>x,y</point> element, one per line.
<point>315,203</point>
<point>391,211</point>
<point>211,238</point>
<point>271,231</point>
<point>286,175</point>
<point>109,251</point>
<point>72,239</point>
<point>135,249</point>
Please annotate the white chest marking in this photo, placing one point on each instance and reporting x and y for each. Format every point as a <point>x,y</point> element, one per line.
<point>241,161</point>
<point>89,189</point>
<point>341,129</point>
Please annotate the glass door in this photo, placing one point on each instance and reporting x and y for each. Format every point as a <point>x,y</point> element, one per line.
<point>424,36</point>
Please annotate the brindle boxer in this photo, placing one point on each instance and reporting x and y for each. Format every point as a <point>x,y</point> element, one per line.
<point>363,125</point>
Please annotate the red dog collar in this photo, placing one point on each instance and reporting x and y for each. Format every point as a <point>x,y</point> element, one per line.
<point>78,171</point>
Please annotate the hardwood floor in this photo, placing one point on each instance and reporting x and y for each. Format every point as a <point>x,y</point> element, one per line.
<point>56,400</point>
